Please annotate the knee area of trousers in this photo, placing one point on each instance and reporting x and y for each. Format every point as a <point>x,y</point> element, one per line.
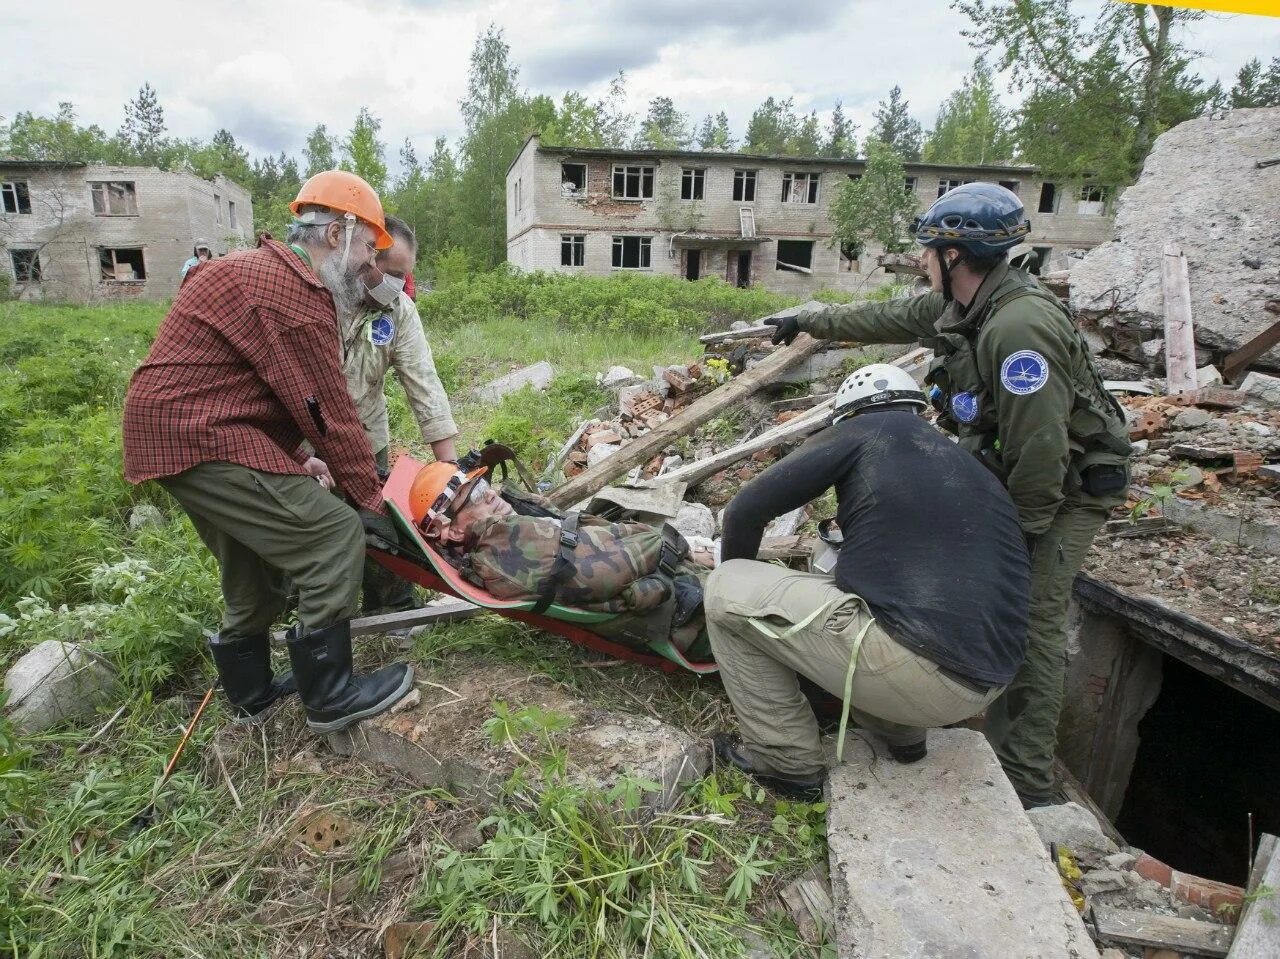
<point>722,585</point>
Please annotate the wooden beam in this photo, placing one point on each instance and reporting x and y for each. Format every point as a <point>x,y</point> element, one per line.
<point>1134,928</point>
<point>1235,363</point>
<point>1179,336</point>
<point>642,449</point>
<point>445,611</point>
<point>750,333</point>
<point>1258,933</point>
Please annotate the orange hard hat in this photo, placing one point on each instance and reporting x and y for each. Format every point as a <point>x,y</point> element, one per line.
<point>434,489</point>
<point>347,193</point>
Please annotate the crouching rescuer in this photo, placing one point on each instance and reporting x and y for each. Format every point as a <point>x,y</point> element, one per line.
<point>1016,382</point>
<point>923,620</point>
<point>244,368</point>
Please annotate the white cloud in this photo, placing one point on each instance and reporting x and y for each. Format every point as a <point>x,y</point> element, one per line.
<point>269,71</point>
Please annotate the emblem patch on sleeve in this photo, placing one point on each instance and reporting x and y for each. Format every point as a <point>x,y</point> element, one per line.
<point>965,407</point>
<point>381,330</point>
<point>1024,372</point>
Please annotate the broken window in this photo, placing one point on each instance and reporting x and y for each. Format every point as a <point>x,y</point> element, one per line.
<point>1048,198</point>
<point>117,199</point>
<point>633,182</point>
<point>121,265</point>
<point>691,183</point>
<point>217,208</point>
<point>573,179</point>
<point>519,188</point>
<point>1093,193</point>
<point>1010,185</point>
<point>631,252</point>
<point>909,185</point>
<point>795,256</point>
<point>26,265</point>
<point>855,177</point>
<point>851,250</point>
<point>800,188</point>
<point>17,197</point>
<point>946,184</point>
<point>744,186</point>
<point>573,249</point>
<point>231,213</point>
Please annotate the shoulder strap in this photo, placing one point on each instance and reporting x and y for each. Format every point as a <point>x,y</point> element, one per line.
<point>564,565</point>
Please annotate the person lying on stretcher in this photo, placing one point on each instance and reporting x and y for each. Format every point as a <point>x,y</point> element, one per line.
<point>515,546</point>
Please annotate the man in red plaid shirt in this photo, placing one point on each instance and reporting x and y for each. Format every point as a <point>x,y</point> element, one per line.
<point>244,369</point>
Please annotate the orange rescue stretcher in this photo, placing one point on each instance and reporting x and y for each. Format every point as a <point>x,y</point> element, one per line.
<point>418,561</point>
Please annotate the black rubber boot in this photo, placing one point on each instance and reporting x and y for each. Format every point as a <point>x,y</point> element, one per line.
<point>336,697</point>
<point>803,788</point>
<point>910,753</point>
<point>244,667</point>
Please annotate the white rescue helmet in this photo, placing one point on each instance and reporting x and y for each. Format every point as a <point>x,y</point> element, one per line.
<point>878,384</point>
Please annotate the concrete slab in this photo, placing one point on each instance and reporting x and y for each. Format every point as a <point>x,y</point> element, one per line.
<point>442,742</point>
<point>538,376</point>
<point>936,860</point>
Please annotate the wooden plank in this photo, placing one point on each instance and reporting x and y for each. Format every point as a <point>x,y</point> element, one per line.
<point>1235,363</point>
<point>445,611</point>
<point>566,449</point>
<point>807,900</point>
<point>750,333</point>
<point>800,402</point>
<point>695,472</point>
<point>1179,337</point>
<point>1258,934</point>
<point>642,449</point>
<point>1134,928</point>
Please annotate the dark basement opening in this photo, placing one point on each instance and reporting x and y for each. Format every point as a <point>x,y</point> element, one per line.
<point>1208,756</point>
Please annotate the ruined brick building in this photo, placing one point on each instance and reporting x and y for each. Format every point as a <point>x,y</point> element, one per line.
<point>743,217</point>
<point>84,232</point>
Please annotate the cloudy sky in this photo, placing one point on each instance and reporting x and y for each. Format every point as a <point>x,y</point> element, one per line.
<point>269,71</point>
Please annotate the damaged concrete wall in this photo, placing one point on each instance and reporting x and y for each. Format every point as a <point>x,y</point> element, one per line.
<point>1201,188</point>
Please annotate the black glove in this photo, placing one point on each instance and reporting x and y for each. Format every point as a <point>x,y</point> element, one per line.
<point>787,328</point>
<point>379,526</point>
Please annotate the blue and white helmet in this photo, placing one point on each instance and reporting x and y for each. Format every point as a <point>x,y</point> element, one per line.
<point>875,385</point>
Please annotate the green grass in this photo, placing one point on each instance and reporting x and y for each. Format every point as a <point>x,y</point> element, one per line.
<point>220,874</point>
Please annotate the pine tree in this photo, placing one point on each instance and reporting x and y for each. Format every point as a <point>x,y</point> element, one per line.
<point>319,153</point>
<point>664,127</point>
<point>807,141</point>
<point>973,127</point>
<point>713,133</point>
<point>895,128</point>
<point>772,127</point>
<point>143,128</point>
<point>363,153</point>
<point>1256,87</point>
<point>841,142</point>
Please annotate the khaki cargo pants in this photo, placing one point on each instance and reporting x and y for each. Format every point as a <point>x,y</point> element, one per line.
<point>763,631</point>
<point>264,526</point>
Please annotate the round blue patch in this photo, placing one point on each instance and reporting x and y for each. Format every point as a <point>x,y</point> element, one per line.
<point>1024,372</point>
<point>381,330</point>
<point>965,407</point>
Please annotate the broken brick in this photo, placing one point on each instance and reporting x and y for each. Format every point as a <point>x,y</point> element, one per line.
<point>1245,462</point>
<point>1148,424</point>
<point>678,380</point>
<point>764,455</point>
<point>602,436</point>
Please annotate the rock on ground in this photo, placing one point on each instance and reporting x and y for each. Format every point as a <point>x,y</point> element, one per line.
<point>695,519</point>
<point>1073,826</point>
<point>57,682</point>
<point>1200,187</point>
<point>936,858</point>
<point>1262,387</point>
<point>618,377</point>
<point>601,451</point>
<point>538,376</point>
<point>441,742</point>
<point>145,514</point>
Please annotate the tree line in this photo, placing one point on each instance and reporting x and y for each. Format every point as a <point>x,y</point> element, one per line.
<point>1096,94</point>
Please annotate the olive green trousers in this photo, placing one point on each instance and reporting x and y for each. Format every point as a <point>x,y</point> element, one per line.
<point>1022,725</point>
<point>264,527</point>
<point>383,591</point>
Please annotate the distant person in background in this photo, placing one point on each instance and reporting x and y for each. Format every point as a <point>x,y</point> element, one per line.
<point>201,254</point>
<point>386,333</point>
<point>410,288</point>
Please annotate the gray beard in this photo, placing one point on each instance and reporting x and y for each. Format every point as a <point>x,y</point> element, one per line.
<point>347,289</point>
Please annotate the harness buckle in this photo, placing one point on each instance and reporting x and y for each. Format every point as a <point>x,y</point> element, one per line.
<point>668,558</point>
<point>568,539</point>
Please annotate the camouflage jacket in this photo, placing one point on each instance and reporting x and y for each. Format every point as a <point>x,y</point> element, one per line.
<point>615,564</point>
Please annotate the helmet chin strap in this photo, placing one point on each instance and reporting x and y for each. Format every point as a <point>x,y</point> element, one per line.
<point>945,271</point>
<point>346,244</point>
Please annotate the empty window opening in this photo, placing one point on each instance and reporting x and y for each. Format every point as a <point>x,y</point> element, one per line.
<point>742,278</point>
<point>17,197</point>
<point>909,185</point>
<point>855,177</point>
<point>1010,185</point>
<point>573,249</point>
<point>231,214</point>
<point>122,265</point>
<point>631,252</point>
<point>118,199</point>
<point>800,188</point>
<point>1036,263</point>
<point>692,264</point>
<point>1048,198</point>
<point>573,179</point>
<point>633,182</point>
<point>691,183</point>
<point>217,208</point>
<point>1093,193</point>
<point>946,184</point>
<point>795,256</point>
<point>519,195</point>
<point>26,265</point>
<point>851,252</point>
<point>744,186</point>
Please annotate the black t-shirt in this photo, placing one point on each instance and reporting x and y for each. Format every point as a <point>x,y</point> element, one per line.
<point>931,538</point>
